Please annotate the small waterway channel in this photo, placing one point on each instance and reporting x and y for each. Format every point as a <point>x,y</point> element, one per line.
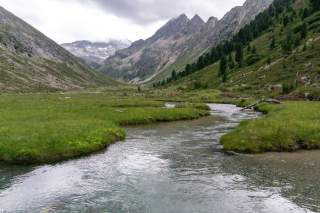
<point>169,167</point>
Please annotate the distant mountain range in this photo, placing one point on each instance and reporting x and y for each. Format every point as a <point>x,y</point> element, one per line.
<point>177,43</point>
<point>29,61</point>
<point>94,53</point>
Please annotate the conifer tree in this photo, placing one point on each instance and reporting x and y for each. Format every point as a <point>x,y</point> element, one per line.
<point>254,50</point>
<point>315,4</point>
<point>249,48</point>
<point>224,77</point>
<point>269,60</point>
<point>305,47</point>
<point>305,13</point>
<point>223,66</point>
<point>286,21</point>
<point>174,75</point>
<point>273,43</point>
<point>304,31</point>
<point>288,42</point>
<point>239,55</point>
<point>231,61</point>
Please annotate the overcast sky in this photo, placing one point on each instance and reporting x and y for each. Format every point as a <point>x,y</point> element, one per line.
<point>100,20</point>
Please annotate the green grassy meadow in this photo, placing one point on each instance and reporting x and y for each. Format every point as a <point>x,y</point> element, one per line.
<point>290,126</point>
<point>45,128</point>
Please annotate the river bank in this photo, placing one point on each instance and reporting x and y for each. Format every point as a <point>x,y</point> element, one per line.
<point>47,128</point>
<point>169,167</point>
<point>287,127</point>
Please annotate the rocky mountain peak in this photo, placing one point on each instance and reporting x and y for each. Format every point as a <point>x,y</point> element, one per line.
<point>256,3</point>
<point>195,25</point>
<point>183,17</point>
<point>173,27</point>
<point>212,21</point>
<point>181,20</point>
<point>94,53</point>
<point>197,20</point>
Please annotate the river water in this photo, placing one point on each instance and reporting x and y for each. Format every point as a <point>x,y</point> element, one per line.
<point>169,167</point>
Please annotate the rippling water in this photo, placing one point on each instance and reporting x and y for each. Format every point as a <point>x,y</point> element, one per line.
<point>169,167</point>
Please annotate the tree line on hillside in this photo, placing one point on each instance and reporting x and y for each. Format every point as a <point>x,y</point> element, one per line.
<point>231,53</point>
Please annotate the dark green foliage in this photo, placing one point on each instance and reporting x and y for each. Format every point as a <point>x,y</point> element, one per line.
<point>315,4</point>
<point>288,42</point>
<point>174,75</point>
<point>254,50</point>
<point>224,77</point>
<point>199,85</point>
<point>223,65</point>
<point>313,19</point>
<point>249,48</point>
<point>253,58</point>
<point>305,47</point>
<point>200,63</point>
<point>289,87</point>
<point>269,60</point>
<point>305,13</point>
<point>188,69</point>
<point>231,62</point>
<point>273,43</point>
<point>297,41</point>
<point>304,31</point>
<point>285,21</point>
<point>239,55</point>
<point>223,68</point>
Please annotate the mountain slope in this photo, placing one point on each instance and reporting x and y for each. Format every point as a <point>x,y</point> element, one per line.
<point>29,61</point>
<point>283,61</point>
<point>177,43</point>
<point>145,57</point>
<point>94,53</point>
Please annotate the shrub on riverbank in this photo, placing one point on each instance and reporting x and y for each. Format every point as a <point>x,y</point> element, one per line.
<point>42,128</point>
<point>287,127</point>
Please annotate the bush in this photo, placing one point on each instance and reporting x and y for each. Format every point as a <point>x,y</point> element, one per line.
<point>253,58</point>
<point>288,87</point>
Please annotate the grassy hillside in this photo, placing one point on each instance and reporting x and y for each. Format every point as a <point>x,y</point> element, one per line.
<point>20,73</point>
<point>31,62</point>
<point>270,71</point>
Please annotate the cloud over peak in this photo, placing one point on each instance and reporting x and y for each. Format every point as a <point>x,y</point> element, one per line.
<point>98,20</point>
<point>149,11</point>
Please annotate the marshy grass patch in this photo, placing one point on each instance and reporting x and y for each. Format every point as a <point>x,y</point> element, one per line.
<point>46,128</point>
<point>288,127</point>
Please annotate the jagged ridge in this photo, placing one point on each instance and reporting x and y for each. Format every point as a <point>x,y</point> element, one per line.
<point>177,43</point>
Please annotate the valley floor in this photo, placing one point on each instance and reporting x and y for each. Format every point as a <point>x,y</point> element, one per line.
<point>45,128</point>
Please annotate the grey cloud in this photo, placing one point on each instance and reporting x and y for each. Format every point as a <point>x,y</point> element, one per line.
<point>149,11</point>
<point>141,11</point>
